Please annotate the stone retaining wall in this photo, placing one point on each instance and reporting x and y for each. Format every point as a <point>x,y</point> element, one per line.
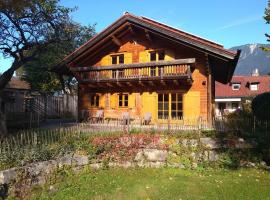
<point>147,157</point>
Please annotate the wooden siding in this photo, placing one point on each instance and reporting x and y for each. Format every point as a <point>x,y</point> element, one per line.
<point>136,49</point>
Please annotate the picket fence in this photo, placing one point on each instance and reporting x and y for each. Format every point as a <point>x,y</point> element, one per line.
<point>37,138</point>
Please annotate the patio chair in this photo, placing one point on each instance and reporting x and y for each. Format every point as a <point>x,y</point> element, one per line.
<point>147,118</point>
<point>100,116</point>
<point>125,118</point>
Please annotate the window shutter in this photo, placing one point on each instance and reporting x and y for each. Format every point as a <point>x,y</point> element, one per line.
<point>113,100</point>
<point>191,105</point>
<point>144,56</point>
<point>131,100</point>
<point>102,100</point>
<point>128,58</point>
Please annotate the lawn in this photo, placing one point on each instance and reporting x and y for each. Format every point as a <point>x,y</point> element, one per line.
<point>162,183</point>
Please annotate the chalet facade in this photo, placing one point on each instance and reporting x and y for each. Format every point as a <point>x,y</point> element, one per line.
<point>142,67</point>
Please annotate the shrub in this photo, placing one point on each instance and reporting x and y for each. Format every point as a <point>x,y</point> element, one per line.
<point>261,106</point>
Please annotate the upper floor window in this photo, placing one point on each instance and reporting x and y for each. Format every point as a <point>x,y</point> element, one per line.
<point>123,100</point>
<point>254,86</point>
<point>236,86</point>
<point>94,100</point>
<point>157,55</point>
<point>118,59</point>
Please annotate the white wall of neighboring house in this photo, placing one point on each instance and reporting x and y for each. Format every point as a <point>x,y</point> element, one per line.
<point>226,105</point>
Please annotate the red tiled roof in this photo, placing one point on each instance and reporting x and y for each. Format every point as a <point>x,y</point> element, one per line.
<point>225,90</point>
<point>16,83</point>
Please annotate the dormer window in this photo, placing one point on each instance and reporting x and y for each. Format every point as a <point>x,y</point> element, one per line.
<point>253,86</point>
<point>236,86</point>
<point>118,59</point>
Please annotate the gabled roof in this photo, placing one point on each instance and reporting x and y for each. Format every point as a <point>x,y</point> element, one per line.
<point>213,49</point>
<point>226,91</point>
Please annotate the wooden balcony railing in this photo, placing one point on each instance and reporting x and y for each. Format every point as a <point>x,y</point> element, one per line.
<point>140,71</point>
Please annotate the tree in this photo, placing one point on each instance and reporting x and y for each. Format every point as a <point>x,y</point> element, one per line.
<point>267,19</point>
<point>39,72</point>
<point>29,28</point>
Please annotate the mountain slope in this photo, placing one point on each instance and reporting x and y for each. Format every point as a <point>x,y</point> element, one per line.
<point>252,56</point>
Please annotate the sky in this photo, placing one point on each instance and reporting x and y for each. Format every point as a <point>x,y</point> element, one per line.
<point>228,22</point>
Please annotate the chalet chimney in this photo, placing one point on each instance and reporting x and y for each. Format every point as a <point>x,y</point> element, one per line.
<point>255,72</point>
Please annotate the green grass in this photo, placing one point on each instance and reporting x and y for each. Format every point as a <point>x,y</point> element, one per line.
<point>162,183</point>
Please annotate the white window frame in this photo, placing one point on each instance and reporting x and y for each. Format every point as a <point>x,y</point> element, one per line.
<point>254,86</point>
<point>236,84</point>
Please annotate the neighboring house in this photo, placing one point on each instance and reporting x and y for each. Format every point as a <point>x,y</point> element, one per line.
<point>14,95</point>
<point>229,97</point>
<point>138,66</point>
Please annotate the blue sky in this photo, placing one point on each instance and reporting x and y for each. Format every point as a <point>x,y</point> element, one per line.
<point>228,22</point>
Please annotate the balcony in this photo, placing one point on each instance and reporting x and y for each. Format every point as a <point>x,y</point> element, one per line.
<point>151,71</point>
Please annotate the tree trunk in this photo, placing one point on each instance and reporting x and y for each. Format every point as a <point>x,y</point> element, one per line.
<point>3,129</point>
<point>4,79</point>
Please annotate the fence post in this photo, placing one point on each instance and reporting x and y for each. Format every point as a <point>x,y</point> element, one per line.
<point>254,124</point>
<point>45,107</point>
<point>169,125</point>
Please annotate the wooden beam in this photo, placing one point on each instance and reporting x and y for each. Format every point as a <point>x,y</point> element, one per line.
<point>100,51</point>
<point>131,30</point>
<point>152,83</point>
<point>163,83</point>
<point>141,84</point>
<point>210,89</point>
<point>147,34</point>
<point>119,84</point>
<point>109,84</point>
<point>85,49</point>
<point>116,41</point>
<point>129,84</point>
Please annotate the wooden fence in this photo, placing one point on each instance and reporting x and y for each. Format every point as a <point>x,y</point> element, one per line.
<point>34,138</point>
<point>248,125</point>
<point>38,108</point>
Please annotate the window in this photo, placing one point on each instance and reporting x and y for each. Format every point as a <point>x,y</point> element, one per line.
<point>236,86</point>
<point>94,100</point>
<point>163,106</point>
<point>118,59</point>
<point>123,100</point>
<point>235,105</point>
<point>157,55</point>
<point>253,86</point>
<point>176,106</point>
<point>153,71</point>
<point>170,105</point>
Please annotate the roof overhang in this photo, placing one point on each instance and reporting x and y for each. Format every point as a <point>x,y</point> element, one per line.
<point>219,56</point>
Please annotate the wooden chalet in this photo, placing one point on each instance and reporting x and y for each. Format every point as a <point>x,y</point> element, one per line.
<point>142,67</point>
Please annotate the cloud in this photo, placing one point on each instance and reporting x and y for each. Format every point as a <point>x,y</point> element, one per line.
<point>242,21</point>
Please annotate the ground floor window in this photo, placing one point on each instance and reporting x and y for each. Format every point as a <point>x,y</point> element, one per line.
<point>94,100</point>
<point>170,105</point>
<point>176,106</point>
<point>163,106</point>
<point>123,100</point>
